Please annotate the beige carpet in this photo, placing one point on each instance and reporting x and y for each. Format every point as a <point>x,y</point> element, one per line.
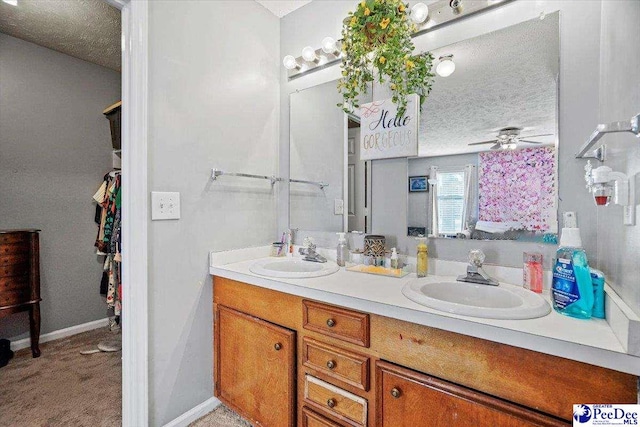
<point>63,387</point>
<point>221,417</point>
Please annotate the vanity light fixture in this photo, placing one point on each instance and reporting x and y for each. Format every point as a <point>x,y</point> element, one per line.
<point>290,63</point>
<point>419,13</point>
<point>309,55</point>
<point>446,67</point>
<point>329,46</point>
<point>11,2</point>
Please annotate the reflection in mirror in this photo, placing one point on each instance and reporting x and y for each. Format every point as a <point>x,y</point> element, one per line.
<point>487,139</point>
<point>324,147</point>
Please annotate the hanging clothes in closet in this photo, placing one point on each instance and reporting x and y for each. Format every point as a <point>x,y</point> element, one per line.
<point>108,217</point>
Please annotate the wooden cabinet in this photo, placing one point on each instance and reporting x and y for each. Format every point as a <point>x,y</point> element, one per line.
<point>406,398</point>
<point>20,278</point>
<point>357,369</point>
<point>254,369</point>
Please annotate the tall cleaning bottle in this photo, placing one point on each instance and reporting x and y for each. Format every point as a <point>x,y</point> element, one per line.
<point>572,288</point>
<point>342,250</point>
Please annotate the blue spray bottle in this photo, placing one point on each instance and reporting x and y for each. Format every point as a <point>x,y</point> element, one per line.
<point>572,288</point>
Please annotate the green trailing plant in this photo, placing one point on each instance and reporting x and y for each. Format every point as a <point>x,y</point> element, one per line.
<point>376,41</point>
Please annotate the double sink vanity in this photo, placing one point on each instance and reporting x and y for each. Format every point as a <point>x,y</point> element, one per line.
<point>311,344</point>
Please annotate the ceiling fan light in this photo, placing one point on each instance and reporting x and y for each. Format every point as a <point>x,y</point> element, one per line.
<point>446,67</point>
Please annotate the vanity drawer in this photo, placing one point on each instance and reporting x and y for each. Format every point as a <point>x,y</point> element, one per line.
<point>337,402</point>
<point>313,419</point>
<point>348,367</point>
<point>336,322</point>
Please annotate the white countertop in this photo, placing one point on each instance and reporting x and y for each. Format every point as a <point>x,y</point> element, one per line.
<point>590,341</point>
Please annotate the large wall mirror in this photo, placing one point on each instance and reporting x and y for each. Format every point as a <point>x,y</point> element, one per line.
<point>487,165</point>
<point>488,139</point>
<point>330,186</point>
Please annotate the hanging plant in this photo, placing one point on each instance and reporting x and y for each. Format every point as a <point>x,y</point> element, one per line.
<point>376,41</point>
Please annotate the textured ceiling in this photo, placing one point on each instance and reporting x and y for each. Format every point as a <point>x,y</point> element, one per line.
<point>504,78</point>
<point>281,8</point>
<point>85,29</point>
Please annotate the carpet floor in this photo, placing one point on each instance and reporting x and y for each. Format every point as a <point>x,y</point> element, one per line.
<point>63,387</point>
<point>221,417</point>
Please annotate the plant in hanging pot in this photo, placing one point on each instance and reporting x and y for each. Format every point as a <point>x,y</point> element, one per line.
<point>376,41</point>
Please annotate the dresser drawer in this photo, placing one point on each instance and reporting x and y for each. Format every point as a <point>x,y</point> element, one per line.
<point>15,297</point>
<point>14,282</point>
<point>335,401</point>
<point>13,258</point>
<point>11,270</point>
<point>336,322</point>
<point>313,419</point>
<point>17,237</point>
<point>343,365</point>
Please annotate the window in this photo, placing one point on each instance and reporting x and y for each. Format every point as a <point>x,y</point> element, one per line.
<point>450,201</point>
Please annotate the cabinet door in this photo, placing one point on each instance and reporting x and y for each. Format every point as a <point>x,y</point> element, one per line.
<point>254,370</point>
<point>406,398</point>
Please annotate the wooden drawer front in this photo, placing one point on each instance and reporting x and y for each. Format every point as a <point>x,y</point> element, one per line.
<point>15,297</point>
<point>406,398</point>
<point>14,282</point>
<point>12,270</point>
<point>13,258</point>
<point>313,419</point>
<point>15,237</point>
<point>336,322</point>
<point>343,365</point>
<point>340,403</point>
<point>15,248</point>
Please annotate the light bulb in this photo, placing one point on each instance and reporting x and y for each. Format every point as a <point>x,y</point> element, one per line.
<point>446,67</point>
<point>309,54</point>
<point>290,62</point>
<point>419,13</point>
<point>11,2</point>
<point>329,46</point>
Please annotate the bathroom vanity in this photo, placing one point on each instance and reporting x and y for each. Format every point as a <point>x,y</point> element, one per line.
<point>291,356</point>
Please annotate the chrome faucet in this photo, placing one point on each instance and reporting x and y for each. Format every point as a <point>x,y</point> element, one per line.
<point>310,251</point>
<point>475,273</point>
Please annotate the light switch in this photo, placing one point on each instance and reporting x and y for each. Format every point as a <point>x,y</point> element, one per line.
<point>165,205</point>
<point>338,206</point>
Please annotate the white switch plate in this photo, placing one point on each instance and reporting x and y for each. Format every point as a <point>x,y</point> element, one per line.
<point>338,206</point>
<point>165,205</point>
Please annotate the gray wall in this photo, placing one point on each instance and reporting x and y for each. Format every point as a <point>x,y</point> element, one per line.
<point>618,244</point>
<point>213,102</point>
<point>55,147</point>
<point>579,79</point>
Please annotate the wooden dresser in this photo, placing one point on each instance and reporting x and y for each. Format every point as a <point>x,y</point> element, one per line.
<point>20,278</point>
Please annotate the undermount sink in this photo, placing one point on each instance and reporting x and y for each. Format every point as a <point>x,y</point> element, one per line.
<point>292,268</point>
<point>469,299</point>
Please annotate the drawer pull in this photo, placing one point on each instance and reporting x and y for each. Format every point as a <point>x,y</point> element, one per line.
<point>331,403</point>
<point>395,392</point>
<point>331,323</point>
<point>277,346</point>
<point>331,364</point>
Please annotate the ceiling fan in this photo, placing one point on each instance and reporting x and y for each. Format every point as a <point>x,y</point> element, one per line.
<point>509,138</point>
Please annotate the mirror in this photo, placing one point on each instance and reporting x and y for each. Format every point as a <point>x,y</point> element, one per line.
<point>328,189</point>
<point>487,165</point>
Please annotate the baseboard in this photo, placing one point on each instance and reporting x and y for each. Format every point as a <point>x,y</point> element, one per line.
<point>62,333</point>
<point>194,413</point>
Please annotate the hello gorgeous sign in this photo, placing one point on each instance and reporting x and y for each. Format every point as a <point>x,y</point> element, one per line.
<point>385,136</point>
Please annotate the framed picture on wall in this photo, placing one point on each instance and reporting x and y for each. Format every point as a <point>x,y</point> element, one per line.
<point>418,184</point>
<point>352,146</point>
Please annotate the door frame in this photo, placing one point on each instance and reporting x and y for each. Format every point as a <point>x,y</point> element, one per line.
<point>135,334</point>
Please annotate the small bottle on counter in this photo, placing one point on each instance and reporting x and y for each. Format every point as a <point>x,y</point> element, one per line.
<point>532,272</point>
<point>422,264</point>
<point>342,250</point>
<point>394,258</point>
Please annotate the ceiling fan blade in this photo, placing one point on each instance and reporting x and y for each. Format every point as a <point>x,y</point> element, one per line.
<point>493,141</point>
<point>496,147</point>
<point>531,142</point>
<point>535,136</point>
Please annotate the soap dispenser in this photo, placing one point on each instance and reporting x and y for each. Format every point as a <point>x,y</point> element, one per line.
<point>422,263</point>
<point>342,251</point>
